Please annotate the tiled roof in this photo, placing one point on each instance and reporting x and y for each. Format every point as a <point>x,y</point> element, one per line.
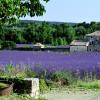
<point>79,43</point>
<point>96,33</point>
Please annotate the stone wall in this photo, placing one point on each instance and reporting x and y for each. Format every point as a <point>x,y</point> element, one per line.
<point>78,48</point>
<point>94,48</point>
<point>34,89</point>
<point>27,86</point>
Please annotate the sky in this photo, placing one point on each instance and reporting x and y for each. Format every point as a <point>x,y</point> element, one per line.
<point>70,11</point>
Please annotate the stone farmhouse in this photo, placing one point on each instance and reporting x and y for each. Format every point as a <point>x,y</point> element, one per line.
<point>78,45</point>
<point>91,42</point>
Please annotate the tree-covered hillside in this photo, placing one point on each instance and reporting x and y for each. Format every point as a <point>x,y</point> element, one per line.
<point>45,32</point>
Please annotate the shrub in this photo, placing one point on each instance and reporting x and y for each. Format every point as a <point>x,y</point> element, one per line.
<point>8,45</point>
<point>0,43</point>
<point>63,77</point>
<point>41,98</point>
<point>29,72</point>
<point>43,85</point>
<point>11,71</point>
<point>89,85</point>
<point>19,97</point>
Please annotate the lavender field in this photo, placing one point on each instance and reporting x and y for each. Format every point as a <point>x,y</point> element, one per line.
<point>53,61</point>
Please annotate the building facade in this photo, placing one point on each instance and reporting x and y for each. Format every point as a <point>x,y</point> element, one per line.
<point>78,46</point>
<point>94,41</point>
<point>91,43</point>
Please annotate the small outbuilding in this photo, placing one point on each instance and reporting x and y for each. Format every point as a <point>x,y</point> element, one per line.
<point>94,41</point>
<point>38,45</point>
<point>78,46</point>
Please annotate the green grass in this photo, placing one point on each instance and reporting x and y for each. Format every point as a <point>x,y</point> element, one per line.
<point>3,85</point>
<point>89,85</point>
<point>19,97</point>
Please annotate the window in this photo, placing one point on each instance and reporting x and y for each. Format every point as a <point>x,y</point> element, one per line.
<point>90,49</point>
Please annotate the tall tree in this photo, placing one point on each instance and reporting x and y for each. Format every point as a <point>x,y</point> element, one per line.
<point>10,10</point>
<point>80,31</point>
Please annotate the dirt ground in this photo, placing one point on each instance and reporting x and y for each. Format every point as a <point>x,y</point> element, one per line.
<point>72,94</point>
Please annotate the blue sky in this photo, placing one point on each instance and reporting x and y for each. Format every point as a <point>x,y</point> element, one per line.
<point>71,11</point>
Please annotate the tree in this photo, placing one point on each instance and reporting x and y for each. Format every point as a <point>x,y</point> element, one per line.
<point>60,41</point>
<point>60,30</point>
<point>70,34</point>
<point>80,31</point>
<point>30,34</point>
<point>10,10</point>
<point>93,26</point>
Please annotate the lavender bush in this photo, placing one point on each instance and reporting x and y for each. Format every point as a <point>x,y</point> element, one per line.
<point>81,64</point>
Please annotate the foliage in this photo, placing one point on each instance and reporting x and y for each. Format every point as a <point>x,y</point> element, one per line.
<point>16,72</point>
<point>63,77</point>
<point>41,98</point>
<point>38,32</point>
<point>19,97</point>
<point>29,72</point>
<point>80,31</point>
<point>43,85</point>
<point>10,10</point>
<point>46,33</point>
<point>45,63</point>
<point>3,85</point>
<point>17,75</point>
<point>89,85</point>
<point>8,45</point>
<point>9,71</point>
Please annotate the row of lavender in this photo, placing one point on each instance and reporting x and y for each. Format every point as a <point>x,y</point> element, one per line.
<point>79,63</point>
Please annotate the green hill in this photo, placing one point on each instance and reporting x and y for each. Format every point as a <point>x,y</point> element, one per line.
<point>50,22</point>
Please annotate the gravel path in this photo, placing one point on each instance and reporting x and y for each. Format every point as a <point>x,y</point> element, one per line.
<point>72,95</point>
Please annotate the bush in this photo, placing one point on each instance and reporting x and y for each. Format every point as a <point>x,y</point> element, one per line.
<point>0,43</point>
<point>8,45</point>
<point>29,72</point>
<point>41,98</point>
<point>43,85</point>
<point>63,78</point>
<point>17,75</point>
<point>89,85</point>
<point>11,71</point>
<point>19,97</point>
